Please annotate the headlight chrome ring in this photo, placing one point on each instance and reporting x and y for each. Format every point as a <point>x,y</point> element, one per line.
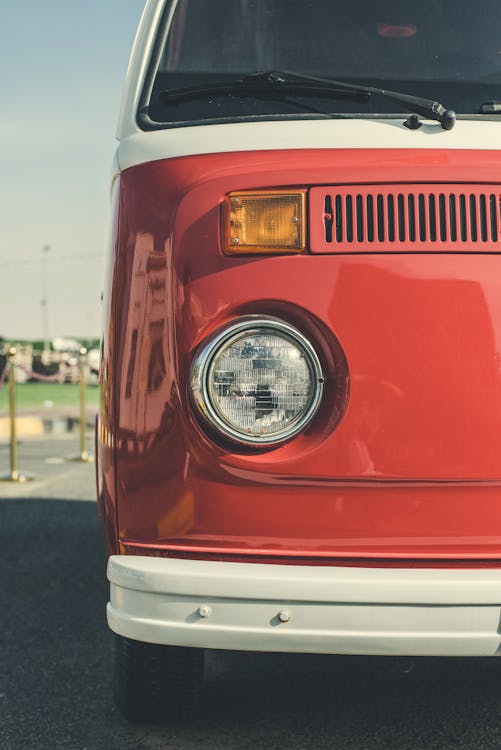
<point>258,382</point>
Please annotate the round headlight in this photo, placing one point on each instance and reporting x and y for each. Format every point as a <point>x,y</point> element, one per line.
<point>258,382</point>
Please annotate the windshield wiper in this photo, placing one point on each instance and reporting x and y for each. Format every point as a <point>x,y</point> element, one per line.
<point>270,82</point>
<point>262,85</point>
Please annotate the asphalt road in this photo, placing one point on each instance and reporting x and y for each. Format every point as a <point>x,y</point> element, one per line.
<point>56,656</point>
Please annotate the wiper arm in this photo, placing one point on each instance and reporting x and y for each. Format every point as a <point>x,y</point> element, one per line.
<point>269,83</point>
<point>428,108</point>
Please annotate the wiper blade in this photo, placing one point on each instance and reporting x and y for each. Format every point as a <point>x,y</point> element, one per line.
<point>262,85</point>
<point>269,83</point>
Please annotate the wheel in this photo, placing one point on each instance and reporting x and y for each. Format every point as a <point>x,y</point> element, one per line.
<point>156,683</point>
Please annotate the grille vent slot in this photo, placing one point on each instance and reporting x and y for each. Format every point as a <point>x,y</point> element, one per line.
<point>422,218</point>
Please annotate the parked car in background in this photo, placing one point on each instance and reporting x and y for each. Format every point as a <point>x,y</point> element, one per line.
<point>93,362</point>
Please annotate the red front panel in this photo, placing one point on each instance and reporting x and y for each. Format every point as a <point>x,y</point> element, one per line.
<point>413,470</point>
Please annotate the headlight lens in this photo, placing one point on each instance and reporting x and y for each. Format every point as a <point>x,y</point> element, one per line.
<point>259,382</point>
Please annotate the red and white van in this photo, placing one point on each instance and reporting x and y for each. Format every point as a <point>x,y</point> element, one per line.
<point>300,429</point>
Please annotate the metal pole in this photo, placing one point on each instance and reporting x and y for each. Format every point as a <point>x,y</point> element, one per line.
<point>83,415</point>
<point>14,475</point>
<point>83,455</point>
<point>45,302</point>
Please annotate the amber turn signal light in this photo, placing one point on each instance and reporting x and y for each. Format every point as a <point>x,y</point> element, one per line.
<point>265,221</point>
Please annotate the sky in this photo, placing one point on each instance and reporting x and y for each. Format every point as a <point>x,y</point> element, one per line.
<point>62,65</point>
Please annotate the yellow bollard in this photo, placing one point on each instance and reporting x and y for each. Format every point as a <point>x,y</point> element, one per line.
<point>83,456</point>
<point>14,475</point>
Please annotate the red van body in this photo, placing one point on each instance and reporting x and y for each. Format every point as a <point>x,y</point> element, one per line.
<point>376,529</point>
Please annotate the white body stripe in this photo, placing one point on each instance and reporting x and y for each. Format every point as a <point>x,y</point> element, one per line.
<point>299,134</point>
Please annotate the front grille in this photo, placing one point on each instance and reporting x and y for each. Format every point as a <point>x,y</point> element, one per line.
<point>411,218</point>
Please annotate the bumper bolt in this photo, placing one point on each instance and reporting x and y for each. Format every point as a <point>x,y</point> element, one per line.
<point>284,615</point>
<point>204,611</point>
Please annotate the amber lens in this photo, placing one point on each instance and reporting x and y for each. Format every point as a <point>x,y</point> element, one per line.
<point>265,223</point>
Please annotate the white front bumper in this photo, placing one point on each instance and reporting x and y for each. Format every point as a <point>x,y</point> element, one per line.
<point>332,610</point>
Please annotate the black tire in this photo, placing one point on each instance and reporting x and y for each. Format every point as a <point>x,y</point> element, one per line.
<point>156,683</point>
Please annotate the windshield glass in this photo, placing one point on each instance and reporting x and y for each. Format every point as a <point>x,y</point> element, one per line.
<point>449,50</point>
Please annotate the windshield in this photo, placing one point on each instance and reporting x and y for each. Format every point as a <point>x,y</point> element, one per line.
<point>449,50</point>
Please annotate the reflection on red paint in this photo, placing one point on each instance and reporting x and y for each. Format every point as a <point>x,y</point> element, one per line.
<point>396,31</point>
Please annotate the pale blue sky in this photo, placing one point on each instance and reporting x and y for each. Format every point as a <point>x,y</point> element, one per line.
<point>63,63</point>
